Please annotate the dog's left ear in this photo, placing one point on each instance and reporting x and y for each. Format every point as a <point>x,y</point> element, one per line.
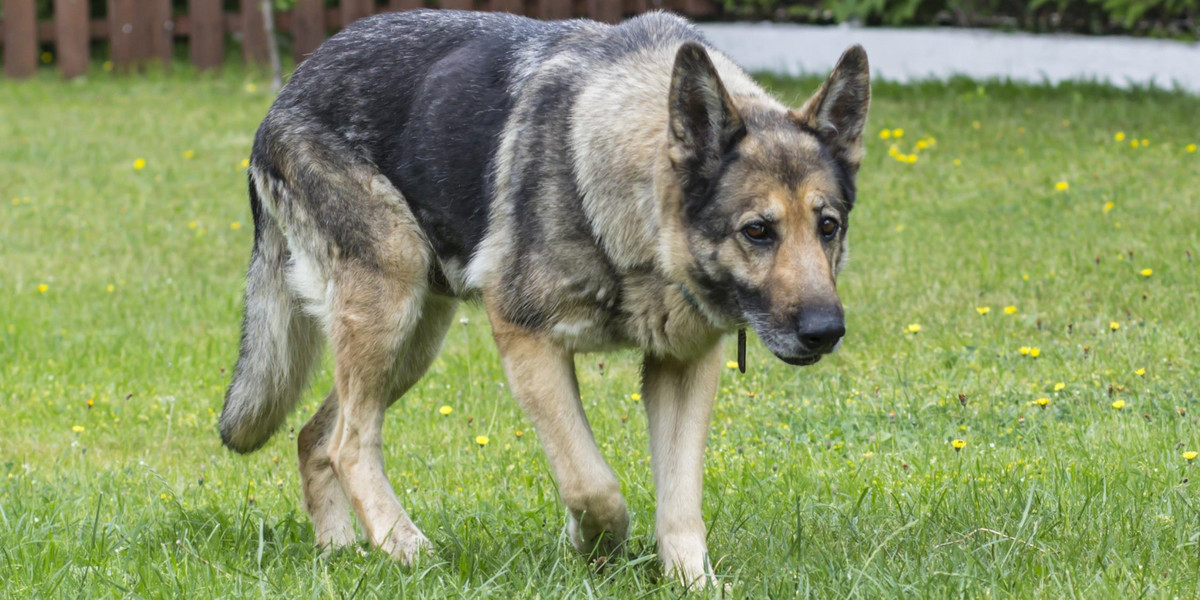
<point>703,123</point>
<point>838,111</point>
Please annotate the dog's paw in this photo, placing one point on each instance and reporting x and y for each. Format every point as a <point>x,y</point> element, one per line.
<point>596,536</point>
<point>405,546</point>
<point>685,559</point>
<point>334,538</point>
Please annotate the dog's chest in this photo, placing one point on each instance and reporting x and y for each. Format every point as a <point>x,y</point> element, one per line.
<point>643,311</point>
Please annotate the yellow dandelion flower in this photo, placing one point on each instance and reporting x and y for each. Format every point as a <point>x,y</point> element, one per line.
<point>1108,206</point>
<point>1140,372</point>
<point>1035,352</point>
<point>922,144</point>
<point>1120,137</point>
<point>445,410</point>
<point>245,163</point>
<point>732,364</point>
<point>637,397</point>
<point>894,152</point>
<point>913,328</point>
<point>193,224</point>
<point>885,134</point>
<point>958,444</point>
<point>1145,142</point>
<point>518,433</point>
<point>77,428</point>
<point>976,125</point>
<point>110,288</point>
<point>1042,402</point>
<point>1023,350</point>
<point>1118,404</point>
<point>1190,148</point>
<point>139,164</point>
<point>1062,186</point>
<point>1133,143</point>
<point>1113,325</point>
<point>251,88</point>
<point>983,310</point>
<point>897,133</point>
<point>1147,272</point>
<point>958,162</point>
<point>1190,455</point>
<point>898,228</point>
<point>236,225</point>
<point>912,158</point>
<point>43,288</point>
<point>482,440</point>
<point>1010,310</point>
<point>91,403</point>
<point>1058,387</point>
<point>189,154</point>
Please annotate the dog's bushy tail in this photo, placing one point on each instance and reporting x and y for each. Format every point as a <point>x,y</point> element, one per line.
<point>279,344</point>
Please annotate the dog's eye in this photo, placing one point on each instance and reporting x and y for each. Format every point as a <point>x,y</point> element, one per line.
<point>829,228</point>
<point>757,232</point>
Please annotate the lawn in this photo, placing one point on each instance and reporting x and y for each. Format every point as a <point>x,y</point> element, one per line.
<point>1022,279</point>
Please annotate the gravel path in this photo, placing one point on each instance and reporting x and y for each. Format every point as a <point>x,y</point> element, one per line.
<point>923,53</point>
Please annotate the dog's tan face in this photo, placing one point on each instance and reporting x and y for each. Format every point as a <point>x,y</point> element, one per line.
<point>767,198</point>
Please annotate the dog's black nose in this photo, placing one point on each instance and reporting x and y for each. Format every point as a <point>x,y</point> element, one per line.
<point>820,330</point>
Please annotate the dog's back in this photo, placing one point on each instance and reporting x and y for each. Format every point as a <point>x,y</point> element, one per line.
<point>424,96</point>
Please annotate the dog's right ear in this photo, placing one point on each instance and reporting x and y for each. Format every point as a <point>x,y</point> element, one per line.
<point>703,123</point>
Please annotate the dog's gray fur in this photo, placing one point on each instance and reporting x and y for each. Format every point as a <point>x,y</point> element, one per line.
<point>595,186</point>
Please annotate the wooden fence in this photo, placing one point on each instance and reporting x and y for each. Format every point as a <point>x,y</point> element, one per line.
<point>140,31</point>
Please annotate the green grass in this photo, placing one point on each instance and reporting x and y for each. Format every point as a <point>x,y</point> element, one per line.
<point>837,480</point>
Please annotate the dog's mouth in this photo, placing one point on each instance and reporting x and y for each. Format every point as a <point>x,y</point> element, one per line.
<point>801,361</point>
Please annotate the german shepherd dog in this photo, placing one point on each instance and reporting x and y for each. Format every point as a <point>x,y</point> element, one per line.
<point>594,186</point>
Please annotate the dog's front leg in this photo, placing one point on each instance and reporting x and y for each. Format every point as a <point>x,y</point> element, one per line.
<point>541,375</point>
<point>679,397</point>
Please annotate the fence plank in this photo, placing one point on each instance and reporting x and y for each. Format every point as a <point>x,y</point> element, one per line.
<point>71,37</point>
<point>405,4</point>
<point>353,10</point>
<point>120,33</point>
<point>162,30</point>
<point>458,4</point>
<point>556,9</point>
<point>605,11</point>
<point>308,27</point>
<point>20,38</point>
<point>206,34</point>
<point>140,41</point>
<point>254,34</point>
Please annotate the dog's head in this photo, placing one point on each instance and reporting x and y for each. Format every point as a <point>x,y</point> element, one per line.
<point>764,198</point>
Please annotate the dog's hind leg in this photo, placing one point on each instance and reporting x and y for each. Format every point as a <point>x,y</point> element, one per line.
<point>323,495</point>
<point>679,397</point>
<point>541,375</point>
<point>378,294</point>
